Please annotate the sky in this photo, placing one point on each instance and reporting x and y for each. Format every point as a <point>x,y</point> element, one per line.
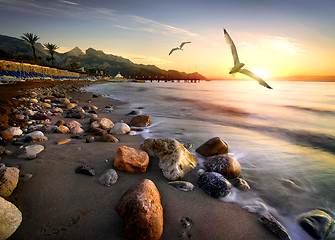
<point>273,38</point>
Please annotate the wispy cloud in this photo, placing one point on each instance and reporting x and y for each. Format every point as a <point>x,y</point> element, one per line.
<point>248,44</point>
<point>283,44</point>
<point>72,9</point>
<point>72,3</point>
<point>149,60</point>
<point>121,27</point>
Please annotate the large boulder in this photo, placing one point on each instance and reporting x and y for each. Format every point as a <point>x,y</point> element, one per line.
<point>214,184</point>
<point>174,159</point>
<point>131,160</point>
<point>228,166</point>
<point>140,121</point>
<point>142,212</point>
<point>213,146</point>
<point>9,177</point>
<point>10,218</point>
<point>317,223</point>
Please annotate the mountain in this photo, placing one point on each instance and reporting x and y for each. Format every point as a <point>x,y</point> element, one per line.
<point>92,60</point>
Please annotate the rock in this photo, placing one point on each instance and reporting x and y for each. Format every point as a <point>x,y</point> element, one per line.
<point>61,142</point>
<point>33,100</point>
<point>120,128</point>
<point>291,184</point>
<point>108,138</point>
<point>228,166</point>
<point>88,170</point>
<point>40,116</point>
<point>131,160</point>
<point>182,185</point>
<point>9,133</point>
<point>105,123</point>
<point>317,223</point>
<point>97,131</point>
<point>73,124</point>
<point>108,178</point>
<point>64,101</point>
<point>63,129</point>
<point>95,124</point>
<point>240,184</point>
<point>60,123</point>
<point>142,212</point>
<point>71,105</point>
<point>272,224</point>
<point>174,159</point>
<point>90,139</point>
<point>10,218</point>
<point>213,146</point>
<point>2,150</point>
<point>56,110</point>
<point>36,136</point>
<point>45,105</point>
<point>214,184</point>
<point>9,177</point>
<point>94,117</point>
<point>135,112</point>
<point>76,130</point>
<point>140,121</point>
<point>76,115</point>
<point>33,150</point>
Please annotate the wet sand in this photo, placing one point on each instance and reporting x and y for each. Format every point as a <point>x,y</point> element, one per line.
<point>57,203</point>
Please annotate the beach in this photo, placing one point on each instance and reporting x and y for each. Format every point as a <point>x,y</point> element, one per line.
<point>57,203</point>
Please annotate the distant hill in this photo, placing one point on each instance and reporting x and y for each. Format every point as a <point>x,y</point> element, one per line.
<point>91,59</point>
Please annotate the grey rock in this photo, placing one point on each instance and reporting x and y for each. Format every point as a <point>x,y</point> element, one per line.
<point>108,178</point>
<point>272,224</point>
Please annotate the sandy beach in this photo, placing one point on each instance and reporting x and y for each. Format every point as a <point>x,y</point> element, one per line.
<point>57,203</point>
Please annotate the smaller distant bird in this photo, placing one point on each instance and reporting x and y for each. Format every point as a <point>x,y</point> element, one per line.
<point>238,65</point>
<point>178,48</point>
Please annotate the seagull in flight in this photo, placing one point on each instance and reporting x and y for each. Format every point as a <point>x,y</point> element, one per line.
<point>238,66</point>
<point>178,48</point>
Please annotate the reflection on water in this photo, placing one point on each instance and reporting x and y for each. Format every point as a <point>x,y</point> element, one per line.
<point>284,138</point>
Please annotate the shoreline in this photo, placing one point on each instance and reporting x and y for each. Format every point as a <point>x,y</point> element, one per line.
<point>57,203</point>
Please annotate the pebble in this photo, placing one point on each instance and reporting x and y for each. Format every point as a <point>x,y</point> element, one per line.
<point>88,170</point>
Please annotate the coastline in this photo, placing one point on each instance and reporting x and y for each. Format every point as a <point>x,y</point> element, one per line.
<point>57,203</point>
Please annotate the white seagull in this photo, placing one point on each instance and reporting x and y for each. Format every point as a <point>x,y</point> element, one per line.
<point>178,48</point>
<point>238,66</point>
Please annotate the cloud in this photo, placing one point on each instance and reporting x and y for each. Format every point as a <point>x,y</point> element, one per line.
<point>72,3</point>
<point>283,44</point>
<point>119,19</point>
<point>248,44</point>
<point>149,60</point>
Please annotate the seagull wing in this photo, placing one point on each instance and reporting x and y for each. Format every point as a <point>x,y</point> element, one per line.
<point>232,47</point>
<point>254,76</point>
<point>183,43</point>
<point>172,50</point>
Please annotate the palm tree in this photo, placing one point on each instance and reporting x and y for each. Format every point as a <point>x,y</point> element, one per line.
<point>51,48</point>
<point>32,40</point>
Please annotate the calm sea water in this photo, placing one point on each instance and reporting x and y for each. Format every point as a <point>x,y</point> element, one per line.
<point>280,135</point>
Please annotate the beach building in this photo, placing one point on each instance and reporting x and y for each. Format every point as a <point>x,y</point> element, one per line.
<point>118,76</point>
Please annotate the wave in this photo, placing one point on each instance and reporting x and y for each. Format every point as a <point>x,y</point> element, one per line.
<point>312,109</point>
<point>206,106</point>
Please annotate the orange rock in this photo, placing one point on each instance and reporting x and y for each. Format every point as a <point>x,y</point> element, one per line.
<point>131,160</point>
<point>9,177</point>
<point>142,212</point>
<point>140,121</point>
<point>213,146</point>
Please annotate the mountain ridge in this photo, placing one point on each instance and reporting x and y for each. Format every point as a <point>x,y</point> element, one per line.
<point>92,59</point>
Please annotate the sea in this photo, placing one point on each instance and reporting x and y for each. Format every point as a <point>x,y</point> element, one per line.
<point>283,138</point>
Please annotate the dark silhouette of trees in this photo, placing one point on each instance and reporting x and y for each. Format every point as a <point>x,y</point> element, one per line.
<point>32,40</point>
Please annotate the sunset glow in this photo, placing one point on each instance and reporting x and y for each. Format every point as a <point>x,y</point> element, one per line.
<point>300,43</point>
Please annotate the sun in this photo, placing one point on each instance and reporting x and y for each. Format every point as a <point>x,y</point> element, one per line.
<point>261,72</point>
